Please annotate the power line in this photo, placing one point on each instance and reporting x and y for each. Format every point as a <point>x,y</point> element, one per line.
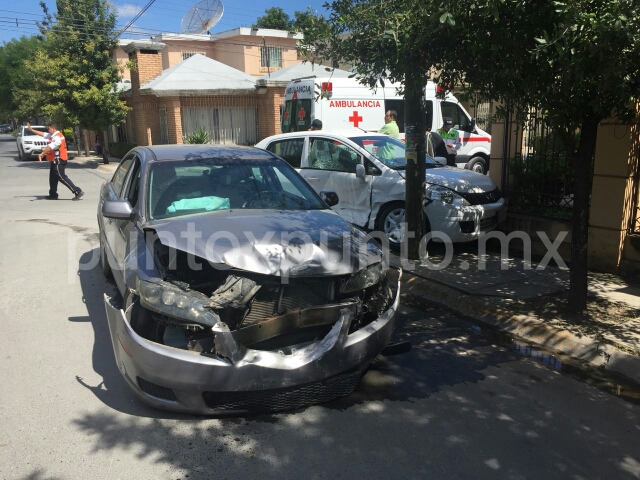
<point>140,13</point>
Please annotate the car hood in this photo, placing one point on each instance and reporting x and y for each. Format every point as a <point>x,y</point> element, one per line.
<point>269,242</point>
<point>460,180</point>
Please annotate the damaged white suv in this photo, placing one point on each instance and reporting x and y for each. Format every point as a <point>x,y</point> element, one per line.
<point>242,290</point>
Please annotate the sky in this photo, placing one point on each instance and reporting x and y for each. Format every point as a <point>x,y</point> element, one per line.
<point>163,16</point>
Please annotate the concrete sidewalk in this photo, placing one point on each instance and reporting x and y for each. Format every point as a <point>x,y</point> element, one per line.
<point>491,292</point>
<point>93,162</point>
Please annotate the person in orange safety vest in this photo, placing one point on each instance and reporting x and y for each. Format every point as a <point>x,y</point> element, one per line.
<point>56,154</point>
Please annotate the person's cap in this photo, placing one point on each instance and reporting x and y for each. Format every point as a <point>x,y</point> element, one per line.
<point>317,124</point>
<point>448,122</point>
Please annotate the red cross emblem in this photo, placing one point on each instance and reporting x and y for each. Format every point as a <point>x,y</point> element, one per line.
<point>295,95</point>
<point>286,115</point>
<point>355,118</point>
<point>301,114</point>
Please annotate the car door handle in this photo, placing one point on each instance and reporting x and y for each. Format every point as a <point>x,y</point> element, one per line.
<point>313,178</point>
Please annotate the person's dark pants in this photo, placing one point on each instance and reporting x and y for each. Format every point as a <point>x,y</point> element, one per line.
<point>451,159</point>
<point>57,174</point>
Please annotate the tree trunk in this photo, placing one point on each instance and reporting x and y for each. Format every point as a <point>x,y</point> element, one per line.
<point>580,223</point>
<point>414,115</point>
<point>87,142</point>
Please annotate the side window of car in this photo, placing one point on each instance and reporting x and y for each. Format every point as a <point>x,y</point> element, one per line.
<point>289,150</point>
<point>121,174</point>
<point>133,184</point>
<point>327,154</point>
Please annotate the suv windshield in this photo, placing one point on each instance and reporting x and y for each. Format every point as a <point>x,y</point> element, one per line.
<point>388,150</point>
<point>27,133</point>
<point>195,186</point>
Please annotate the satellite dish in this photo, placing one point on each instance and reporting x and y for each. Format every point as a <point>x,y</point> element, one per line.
<point>202,16</point>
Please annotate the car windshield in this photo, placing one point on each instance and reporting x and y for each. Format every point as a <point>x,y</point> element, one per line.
<point>184,187</point>
<point>389,151</point>
<point>27,133</point>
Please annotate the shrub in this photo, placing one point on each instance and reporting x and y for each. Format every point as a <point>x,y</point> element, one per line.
<point>198,136</point>
<point>119,150</point>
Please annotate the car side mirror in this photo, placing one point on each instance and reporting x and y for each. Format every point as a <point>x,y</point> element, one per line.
<point>441,160</point>
<point>329,197</point>
<point>117,209</point>
<point>360,171</point>
<point>473,123</point>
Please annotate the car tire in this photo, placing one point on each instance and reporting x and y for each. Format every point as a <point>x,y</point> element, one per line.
<point>20,156</point>
<point>478,165</point>
<point>389,224</point>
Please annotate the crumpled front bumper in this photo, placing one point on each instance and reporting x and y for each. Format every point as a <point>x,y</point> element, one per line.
<point>253,380</point>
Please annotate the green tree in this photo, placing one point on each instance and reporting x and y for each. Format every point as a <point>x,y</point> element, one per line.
<point>14,56</point>
<point>312,25</point>
<point>75,76</point>
<point>276,18</point>
<point>577,61</point>
<point>381,41</point>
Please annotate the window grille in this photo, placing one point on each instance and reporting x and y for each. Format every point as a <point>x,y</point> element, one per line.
<point>270,57</point>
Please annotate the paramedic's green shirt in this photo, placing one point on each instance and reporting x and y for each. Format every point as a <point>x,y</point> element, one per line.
<point>390,129</point>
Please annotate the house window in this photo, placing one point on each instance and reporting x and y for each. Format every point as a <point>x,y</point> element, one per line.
<point>186,55</point>
<point>270,57</point>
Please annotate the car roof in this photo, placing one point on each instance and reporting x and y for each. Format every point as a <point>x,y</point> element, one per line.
<point>195,152</point>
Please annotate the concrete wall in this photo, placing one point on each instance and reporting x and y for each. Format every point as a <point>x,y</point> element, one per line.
<point>614,194</point>
<point>172,54</point>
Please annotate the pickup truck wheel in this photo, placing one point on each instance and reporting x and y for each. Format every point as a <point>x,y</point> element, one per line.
<point>477,164</point>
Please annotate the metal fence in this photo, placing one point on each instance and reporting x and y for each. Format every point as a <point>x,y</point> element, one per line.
<point>539,177</point>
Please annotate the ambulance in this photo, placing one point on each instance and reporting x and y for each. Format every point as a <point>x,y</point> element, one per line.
<point>345,103</point>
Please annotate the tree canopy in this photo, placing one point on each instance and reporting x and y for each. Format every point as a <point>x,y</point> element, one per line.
<point>578,62</point>
<point>276,18</point>
<point>74,77</point>
<point>14,56</point>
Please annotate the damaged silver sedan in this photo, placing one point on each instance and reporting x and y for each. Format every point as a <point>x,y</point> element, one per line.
<point>241,290</point>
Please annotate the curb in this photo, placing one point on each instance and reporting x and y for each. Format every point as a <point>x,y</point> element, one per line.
<point>599,354</point>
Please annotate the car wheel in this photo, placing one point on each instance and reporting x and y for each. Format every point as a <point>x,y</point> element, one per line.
<point>20,156</point>
<point>477,164</point>
<point>392,224</point>
<point>104,262</point>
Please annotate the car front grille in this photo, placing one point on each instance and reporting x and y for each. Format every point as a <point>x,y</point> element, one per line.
<point>284,398</point>
<point>156,390</point>
<point>482,198</point>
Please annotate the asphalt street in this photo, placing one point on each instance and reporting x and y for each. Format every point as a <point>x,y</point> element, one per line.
<point>458,405</point>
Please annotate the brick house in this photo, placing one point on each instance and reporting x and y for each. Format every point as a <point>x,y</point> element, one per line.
<point>182,82</point>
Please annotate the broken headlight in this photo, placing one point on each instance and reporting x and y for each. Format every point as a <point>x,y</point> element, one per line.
<point>172,301</point>
<point>367,277</point>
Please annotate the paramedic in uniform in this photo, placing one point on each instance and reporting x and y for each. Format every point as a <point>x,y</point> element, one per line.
<point>57,156</point>
<point>451,140</point>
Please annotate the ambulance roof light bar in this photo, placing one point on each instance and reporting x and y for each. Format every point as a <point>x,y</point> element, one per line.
<point>303,78</point>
